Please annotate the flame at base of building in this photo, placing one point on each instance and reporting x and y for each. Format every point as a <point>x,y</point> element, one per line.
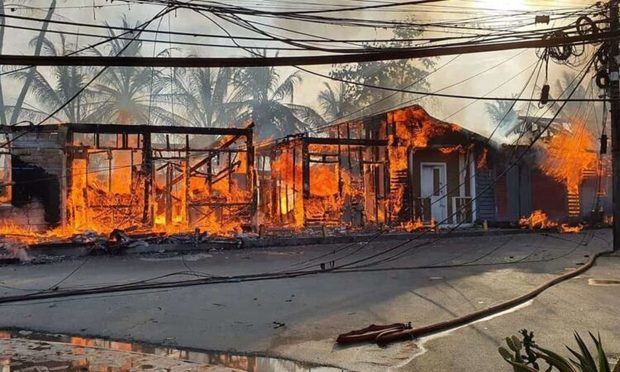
<point>142,179</point>
<point>539,220</point>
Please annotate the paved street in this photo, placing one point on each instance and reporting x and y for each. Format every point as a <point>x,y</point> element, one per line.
<point>299,318</point>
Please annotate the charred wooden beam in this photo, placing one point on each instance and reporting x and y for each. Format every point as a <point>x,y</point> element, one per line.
<point>147,170</point>
<point>305,170</point>
<point>145,129</point>
<point>214,152</point>
<point>323,154</point>
<point>344,141</point>
<point>226,172</point>
<point>46,128</point>
<point>168,196</point>
<point>219,204</point>
<point>323,161</point>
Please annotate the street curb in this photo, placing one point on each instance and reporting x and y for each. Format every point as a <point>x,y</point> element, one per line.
<point>343,239</point>
<point>68,250</point>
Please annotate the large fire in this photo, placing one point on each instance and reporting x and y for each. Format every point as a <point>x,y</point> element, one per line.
<point>205,190</point>
<point>173,189</point>
<point>287,173</point>
<point>413,130</point>
<point>102,208</point>
<point>568,154</point>
<point>329,186</point>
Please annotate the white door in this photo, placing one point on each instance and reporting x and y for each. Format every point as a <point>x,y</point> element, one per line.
<point>433,186</point>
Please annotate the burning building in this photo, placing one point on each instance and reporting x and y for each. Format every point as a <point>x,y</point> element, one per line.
<point>401,167</point>
<point>90,177</point>
<point>564,176</point>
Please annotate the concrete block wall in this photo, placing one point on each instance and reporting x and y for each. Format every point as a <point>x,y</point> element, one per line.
<point>44,150</point>
<point>39,176</point>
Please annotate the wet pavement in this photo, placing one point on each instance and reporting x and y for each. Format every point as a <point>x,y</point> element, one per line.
<point>35,351</point>
<point>299,318</point>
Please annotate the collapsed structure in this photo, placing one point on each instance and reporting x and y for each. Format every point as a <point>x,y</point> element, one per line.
<point>80,177</point>
<point>401,168</point>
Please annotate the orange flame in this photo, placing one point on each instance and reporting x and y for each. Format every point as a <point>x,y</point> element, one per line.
<point>287,174</point>
<point>411,226</point>
<point>537,220</point>
<point>451,149</point>
<point>567,229</point>
<point>414,128</point>
<point>323,180</point>
<point>568,155</point>
<point>481,163</point>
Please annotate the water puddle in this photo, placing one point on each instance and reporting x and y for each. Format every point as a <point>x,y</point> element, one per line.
<point>35,351</point>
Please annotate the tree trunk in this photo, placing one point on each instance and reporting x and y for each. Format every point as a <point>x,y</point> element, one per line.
<point>37,51</point>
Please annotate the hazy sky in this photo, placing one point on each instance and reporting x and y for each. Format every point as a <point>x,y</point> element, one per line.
<point>473,117</point>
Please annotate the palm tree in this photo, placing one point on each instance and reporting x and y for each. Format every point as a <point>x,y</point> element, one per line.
<point>125,94</point>
<point>50,94</point>
<point>503,114</point>
<point>574,110</point>
<point>203,94</point>
<point>334,102</point>
<point>268,102</point>
<point>38,46</point>
<point>16,109</point>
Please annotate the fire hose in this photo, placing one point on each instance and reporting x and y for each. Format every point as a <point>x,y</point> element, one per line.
<point>384,335</point>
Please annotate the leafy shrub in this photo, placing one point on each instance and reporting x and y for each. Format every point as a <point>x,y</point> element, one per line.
<point>526,356</point>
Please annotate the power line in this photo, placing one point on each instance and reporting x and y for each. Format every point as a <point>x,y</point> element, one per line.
<point>369,56</point>
<point>315,39</point>
<point>219,8</point>
<point>175,42</point>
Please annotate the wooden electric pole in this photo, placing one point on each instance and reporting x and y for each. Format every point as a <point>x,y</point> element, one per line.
<point>614,95</point>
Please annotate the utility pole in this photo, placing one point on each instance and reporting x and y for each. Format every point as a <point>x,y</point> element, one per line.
<point>614,95</point>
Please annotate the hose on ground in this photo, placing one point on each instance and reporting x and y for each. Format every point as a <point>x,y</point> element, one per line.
<point>408,334</point>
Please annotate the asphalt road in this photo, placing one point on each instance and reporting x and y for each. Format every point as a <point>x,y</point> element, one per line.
<point>299,318</point>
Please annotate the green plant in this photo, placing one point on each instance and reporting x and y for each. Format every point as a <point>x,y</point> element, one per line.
<point>525,356</point>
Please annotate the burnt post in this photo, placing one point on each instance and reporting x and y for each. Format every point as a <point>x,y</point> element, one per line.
<point>295,190</point>
<point>65,213</point>
<point>169,177</point>
<point>252,180</point>
<point>614,95</point>
<point>209,164</point>
<point>305,168</point>
<point>276,180</point>
<point>186,172</point>
<point>147,171</point>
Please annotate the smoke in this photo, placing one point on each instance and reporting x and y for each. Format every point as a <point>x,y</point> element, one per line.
<point>469,114</point>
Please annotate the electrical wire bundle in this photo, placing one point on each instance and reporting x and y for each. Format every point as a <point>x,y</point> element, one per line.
<point>253,23</point>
